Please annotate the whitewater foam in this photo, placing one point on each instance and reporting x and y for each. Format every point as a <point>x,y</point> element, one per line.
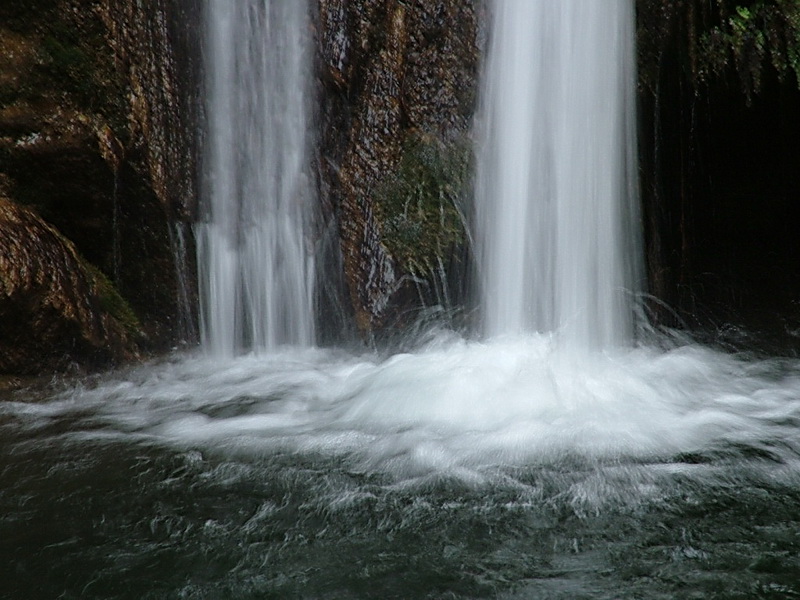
<point>461,408</point>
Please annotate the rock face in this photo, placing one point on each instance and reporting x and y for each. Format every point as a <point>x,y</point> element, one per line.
<point>395,74</point>
<point>99,100</point>
<point>719,124</point>
<point>155,48</point>
<point>54,310</point>
<point>717,79</point>
<point>95,139</point>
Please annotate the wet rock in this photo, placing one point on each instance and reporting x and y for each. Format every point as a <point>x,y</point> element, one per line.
<point>54,311</point>
<point>391,72</point>
<point>162,79</point>
<point>96,136</point>
<point>718,113</point>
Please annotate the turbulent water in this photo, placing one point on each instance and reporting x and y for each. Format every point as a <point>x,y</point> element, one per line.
<point>513,468</point>
<point>557,179</point>
<point>535,466</point>
<point>255,254</point>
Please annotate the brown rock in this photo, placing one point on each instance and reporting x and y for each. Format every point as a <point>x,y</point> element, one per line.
<point>97,137</point>
<point>390,71</point>
<point>52,311</point>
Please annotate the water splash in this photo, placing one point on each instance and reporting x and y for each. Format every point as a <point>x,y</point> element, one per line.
<point>557,193</point>
<point>457,408</point>
<point>580,474</point>
<point>254,260</point>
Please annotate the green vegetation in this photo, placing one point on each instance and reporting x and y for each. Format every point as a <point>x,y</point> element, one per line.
<point>711,40</point>
<point>23,16</point>
<point>766,32</point>
<point>78,60</point>
<point>73,60</point>
<point>421,205</point>
<point>113,303</point>
<point>68,63</point>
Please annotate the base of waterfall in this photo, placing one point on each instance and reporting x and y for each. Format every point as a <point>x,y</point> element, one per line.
<point>514,467</point>
<point>453,407</point>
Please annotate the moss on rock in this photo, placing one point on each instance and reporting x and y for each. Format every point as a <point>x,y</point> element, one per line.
<point>750,38</point>
<point>391,70</point>
<point>113,303</point>
<point>422,205</point>
<point>54,311</point>
<point>96,139</point>
<point>714,39</point>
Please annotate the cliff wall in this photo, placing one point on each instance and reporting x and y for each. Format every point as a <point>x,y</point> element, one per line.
<point>97,144</point>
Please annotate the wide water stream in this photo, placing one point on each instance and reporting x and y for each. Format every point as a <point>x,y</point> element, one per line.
<point>501,469</point>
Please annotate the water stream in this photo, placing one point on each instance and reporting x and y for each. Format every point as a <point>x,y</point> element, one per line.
<point>556,457</point>
<point>557,181</point>
<point>255,261</point>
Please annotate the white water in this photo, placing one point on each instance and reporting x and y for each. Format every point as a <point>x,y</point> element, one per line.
<point>308,472</point>
<point>254,258</point>
<point>455,408</point>
<point>460,409</point>
<point>556,202</point>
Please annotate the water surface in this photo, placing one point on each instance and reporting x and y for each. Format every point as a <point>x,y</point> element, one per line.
<point>511,469</point>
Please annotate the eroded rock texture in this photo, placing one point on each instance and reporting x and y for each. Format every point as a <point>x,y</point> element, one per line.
<point>95,139</point>
<point>155,50</point>
<point>54,310</point>
<point>393,73</point>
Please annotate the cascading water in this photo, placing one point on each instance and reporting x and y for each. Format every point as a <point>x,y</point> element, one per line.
<point>255,266</point>
<point>506,468</point>
<point>557,193</point>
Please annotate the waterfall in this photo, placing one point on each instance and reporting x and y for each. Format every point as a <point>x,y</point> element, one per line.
<point>557,190</point>
<point>255,265</point>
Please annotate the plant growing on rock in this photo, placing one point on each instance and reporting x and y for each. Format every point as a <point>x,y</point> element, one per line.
<point>752,37</point>
<point>421,205</point>
<point>718,37</point>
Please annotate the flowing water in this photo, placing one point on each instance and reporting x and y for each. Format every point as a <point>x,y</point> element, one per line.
<point>255,260</point>
<point>550,460</point>
<point>503,469</point>
<point>557,193</point>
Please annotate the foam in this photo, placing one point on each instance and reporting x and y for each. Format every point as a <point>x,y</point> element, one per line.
<point>455,406</point>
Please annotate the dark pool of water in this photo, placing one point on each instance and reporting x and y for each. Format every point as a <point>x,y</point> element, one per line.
<point>121,520</point>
